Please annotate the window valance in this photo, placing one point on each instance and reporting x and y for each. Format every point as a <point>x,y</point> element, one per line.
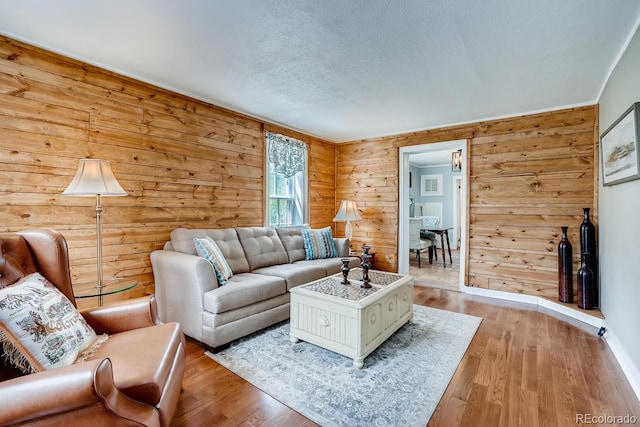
<point>288,155</point>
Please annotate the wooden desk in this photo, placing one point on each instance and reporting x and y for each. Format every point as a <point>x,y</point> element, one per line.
<point>443,232</point>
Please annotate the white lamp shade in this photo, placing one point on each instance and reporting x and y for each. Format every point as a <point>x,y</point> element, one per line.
<point>93,177</point>
<point>348,212</point>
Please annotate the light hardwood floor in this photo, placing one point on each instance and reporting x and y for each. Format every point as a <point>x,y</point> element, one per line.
<point>436,275</point>
<point>523,368</point>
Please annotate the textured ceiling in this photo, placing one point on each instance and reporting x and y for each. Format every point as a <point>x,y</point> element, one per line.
<point>346,69</point>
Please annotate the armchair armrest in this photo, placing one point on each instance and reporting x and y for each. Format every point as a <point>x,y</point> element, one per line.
<point>125,316</point>
<point>83,393</point>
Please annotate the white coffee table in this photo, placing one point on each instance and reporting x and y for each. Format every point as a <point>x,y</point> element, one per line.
<point>348,319</point>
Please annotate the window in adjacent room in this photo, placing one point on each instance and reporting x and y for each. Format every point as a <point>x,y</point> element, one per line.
<point>286,181</point>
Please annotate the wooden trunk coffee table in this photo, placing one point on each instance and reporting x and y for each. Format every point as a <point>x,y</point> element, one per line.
<point>348,319</point>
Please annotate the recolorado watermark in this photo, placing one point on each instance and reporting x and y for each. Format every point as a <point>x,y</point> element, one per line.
<point>606,419</point>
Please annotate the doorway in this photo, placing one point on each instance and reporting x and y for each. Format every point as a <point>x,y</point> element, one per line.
<point>453,217</point>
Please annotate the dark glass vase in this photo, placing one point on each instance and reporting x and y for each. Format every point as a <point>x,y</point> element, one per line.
<point>586,288</point>
<point>565,268</point>
<point>588,245</point>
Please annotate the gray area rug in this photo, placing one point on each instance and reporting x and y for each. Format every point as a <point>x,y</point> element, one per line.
<point>400,385</point>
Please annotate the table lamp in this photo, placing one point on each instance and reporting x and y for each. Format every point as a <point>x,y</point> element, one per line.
<point>95,178</point>
<point>348,212</point>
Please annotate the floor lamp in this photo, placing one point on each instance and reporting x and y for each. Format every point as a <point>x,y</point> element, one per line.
<point>348,212</point>
<point>95,178</point>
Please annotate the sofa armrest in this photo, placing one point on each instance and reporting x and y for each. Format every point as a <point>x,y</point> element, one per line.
<point>342,245</point>
<point>125,316</point>
<point>181,280</point>
<point>84,393</point>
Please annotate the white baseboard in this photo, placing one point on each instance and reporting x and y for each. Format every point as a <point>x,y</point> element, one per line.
<point>541,302</point>
<point>623,358</point>
<point>626,362</point>
<point>578,315</point>
<point>509,296</point>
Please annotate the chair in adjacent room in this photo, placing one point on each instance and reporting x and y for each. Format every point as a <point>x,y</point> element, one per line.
<point>429,221</point>
<point>417,244</point>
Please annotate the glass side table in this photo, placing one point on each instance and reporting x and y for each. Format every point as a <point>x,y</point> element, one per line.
<point>110,287</point>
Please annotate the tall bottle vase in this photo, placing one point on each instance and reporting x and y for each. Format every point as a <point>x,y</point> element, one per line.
<point>588,245</point>
<point>586,288</point>
<point>565,268</point>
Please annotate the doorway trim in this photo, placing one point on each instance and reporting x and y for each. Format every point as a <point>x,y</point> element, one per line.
<point>403,201</point>
<point>457,220</point>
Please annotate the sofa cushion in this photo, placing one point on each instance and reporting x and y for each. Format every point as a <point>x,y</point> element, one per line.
<point>182,240</point>
<point>242,290</point>
<point>295,274</point>
<point>208,250</point>
<point>319,243</point>
<point>142,360</point>
<point>226,239</point>
<point>293,242</point>
<point>40,329</point>
<point>211,320</point>
<point>329,265</point>
<point>262,246</point>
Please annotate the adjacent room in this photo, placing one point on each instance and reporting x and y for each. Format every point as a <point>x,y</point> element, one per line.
<point>435,214</point>
<point>319,213</point>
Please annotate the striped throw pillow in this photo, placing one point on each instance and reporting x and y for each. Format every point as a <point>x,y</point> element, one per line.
<point>207,249</point>
<point>319,243</point>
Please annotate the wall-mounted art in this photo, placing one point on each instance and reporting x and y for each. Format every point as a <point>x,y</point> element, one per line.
<point>431,185</point>
<point>619,148</point>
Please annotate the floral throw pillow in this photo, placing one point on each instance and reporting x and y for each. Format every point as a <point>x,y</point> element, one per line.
<point>319,243</point>
<point>40,329</point>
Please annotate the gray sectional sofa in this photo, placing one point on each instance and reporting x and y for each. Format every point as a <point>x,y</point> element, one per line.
<point>266,263</point>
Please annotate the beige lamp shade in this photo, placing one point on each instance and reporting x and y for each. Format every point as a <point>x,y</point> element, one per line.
<point>93,177</point>
<point>348,212</point>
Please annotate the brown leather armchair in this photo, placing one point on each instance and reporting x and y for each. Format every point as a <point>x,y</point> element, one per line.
<point>133,379</point>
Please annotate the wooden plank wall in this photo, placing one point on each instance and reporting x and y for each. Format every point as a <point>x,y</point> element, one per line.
<point>528,176</point>
<point>368,173</point>
<point>184,163</point>
<point>188,163</point>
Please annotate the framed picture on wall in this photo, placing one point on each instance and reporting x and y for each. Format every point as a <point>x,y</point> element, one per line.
<point>431,185</point>
<point>619,148</point>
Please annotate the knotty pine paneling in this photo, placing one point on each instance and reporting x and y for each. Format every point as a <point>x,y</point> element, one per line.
<point>184,163</point>
<point>188,163</point>
<point>528,176</point>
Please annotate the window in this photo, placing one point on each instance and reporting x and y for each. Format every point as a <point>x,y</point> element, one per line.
<point>286,181</point>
